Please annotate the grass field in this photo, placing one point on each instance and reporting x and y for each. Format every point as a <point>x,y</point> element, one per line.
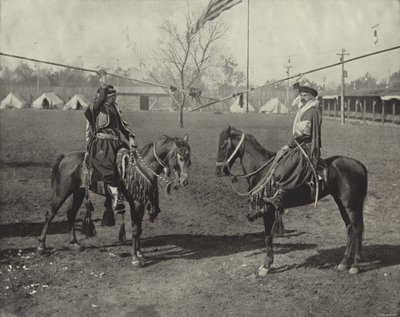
<point>204,254</point>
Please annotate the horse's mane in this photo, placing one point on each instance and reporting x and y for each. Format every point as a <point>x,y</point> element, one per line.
<point>258,147</point>
<point>178,141</point>
<point>164,139</point>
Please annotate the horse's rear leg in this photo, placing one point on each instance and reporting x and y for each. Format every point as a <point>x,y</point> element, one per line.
<point>55,206</point>
<point>77,199</point>
<point>353,218</point>
<point>343,265</point>
<point>357,222</point>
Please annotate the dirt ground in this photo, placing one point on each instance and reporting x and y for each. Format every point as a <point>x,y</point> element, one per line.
<point>202,253</point>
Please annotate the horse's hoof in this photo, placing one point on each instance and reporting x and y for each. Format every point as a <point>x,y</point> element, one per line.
<point>75,247</point>
<point>263,271</point>
<point>342,267</point>
<point>136,263</point>
<point>122,238</point>
<point>354,270</point>
<point>40,250</point>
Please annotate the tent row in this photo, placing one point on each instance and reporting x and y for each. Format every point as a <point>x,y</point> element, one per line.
<point>48,100</point>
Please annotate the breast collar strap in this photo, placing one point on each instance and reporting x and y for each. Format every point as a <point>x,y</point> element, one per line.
<point>165,167</point>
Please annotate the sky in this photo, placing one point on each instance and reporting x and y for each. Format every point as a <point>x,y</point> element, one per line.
<point>308,32</point>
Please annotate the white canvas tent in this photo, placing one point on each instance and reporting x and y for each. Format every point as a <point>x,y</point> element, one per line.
<point>235,107</point>
<point>273,106</point>
<point>48,100</point>
<point>13,100</point>
<point>77,102</point>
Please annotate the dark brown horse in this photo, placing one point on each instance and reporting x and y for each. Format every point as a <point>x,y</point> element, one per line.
<point>347,183</point>
<point>139,185</point>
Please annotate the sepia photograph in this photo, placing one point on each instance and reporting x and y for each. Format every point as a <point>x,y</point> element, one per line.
<point>163,158</point>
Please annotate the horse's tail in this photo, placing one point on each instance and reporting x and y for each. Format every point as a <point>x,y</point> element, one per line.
<point>54,170</point>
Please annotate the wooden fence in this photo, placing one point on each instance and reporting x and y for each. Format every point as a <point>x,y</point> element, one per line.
<point>364,108</point>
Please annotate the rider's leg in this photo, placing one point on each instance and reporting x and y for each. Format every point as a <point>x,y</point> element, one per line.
<point>117,202</point>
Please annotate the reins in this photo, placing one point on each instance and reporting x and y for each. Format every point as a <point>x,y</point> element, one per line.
<point>165,167</point>
<point>260,185</point>
<point>234,178</point>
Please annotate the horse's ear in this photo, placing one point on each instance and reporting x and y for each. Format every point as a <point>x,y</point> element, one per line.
<point>228,130</point>
<point>186,138</point>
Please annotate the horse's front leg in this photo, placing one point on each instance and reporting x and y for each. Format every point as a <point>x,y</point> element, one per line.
<point>269,220</point>
<point>137,212</point>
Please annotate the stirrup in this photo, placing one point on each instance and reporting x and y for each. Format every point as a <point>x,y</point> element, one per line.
<point>120,207</point>
<point>271,201</point>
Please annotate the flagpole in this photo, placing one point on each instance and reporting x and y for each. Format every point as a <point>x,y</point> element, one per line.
<point>248,36</point>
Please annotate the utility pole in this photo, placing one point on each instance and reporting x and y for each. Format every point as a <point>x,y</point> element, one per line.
<point>344,74</point>
<point>37,74</point>
<point>37,79</point>
<point>288,67</point>
<point>248,42</point>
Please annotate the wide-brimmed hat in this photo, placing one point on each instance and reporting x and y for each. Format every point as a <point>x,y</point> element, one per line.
<point>309,90</point>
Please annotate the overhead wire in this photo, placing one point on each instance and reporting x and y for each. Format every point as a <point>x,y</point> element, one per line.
<point>193,92</point>
<point>295,76</point>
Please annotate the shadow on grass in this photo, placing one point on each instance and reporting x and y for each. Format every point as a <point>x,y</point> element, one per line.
<point>192,246</point>
<point>31,229</point>
<point>163,247</point>
<point>373,257</point>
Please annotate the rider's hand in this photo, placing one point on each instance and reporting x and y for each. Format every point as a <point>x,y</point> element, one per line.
<point>110,89</point>
<point>132,142</point>
<point>285,148</point>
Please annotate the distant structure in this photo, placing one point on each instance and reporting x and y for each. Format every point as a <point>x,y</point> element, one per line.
<point>144,98</point>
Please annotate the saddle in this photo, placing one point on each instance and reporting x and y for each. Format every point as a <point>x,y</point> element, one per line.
<point>322,174</point>
<point>94,183</point>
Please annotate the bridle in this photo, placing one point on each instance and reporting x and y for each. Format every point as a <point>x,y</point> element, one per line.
<point>234,178</point>
<point>227,161</point>
<point>135,155</point>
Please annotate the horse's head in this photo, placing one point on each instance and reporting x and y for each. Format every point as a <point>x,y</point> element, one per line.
<point>178,159</point>
<point>230,141</point>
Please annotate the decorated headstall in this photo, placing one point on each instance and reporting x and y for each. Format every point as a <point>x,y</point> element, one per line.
<point>228,144</point>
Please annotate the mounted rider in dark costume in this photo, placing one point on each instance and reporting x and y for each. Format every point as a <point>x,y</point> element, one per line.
<point>293,168</point>
<point>105,124</point>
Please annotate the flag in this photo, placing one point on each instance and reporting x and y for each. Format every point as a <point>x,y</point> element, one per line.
<point>375,37</point>
<point>213,10</point>
<point>375,34</point>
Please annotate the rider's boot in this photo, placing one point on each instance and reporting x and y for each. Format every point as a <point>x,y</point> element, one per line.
<point>117,204</point>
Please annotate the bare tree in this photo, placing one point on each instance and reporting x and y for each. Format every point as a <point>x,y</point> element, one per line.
<point>184,58</point>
